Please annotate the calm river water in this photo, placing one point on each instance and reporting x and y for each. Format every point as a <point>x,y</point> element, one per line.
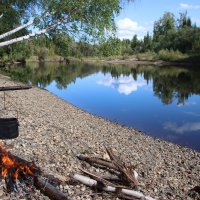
<point>161,101</point>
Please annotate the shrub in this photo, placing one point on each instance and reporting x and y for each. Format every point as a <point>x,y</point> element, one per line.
<point>169,55</point>
<point>146,56</point>
<point>42,54</point>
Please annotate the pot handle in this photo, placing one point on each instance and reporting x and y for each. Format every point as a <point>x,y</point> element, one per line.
<point>17,113</point>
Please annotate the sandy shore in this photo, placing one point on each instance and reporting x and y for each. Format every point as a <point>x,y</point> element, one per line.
<point>53,132</point>
<point>146,62</point>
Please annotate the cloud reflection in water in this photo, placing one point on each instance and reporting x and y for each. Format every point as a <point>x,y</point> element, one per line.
<point>124,85</point>
<point>187,127</point>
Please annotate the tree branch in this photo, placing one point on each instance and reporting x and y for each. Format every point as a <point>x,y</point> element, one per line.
<point>26,37</point>
<point>91,182</point>
<point>15,30</point>
<point>1,16</point>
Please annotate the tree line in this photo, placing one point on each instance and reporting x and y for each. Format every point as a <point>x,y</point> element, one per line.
<point>171,39</point>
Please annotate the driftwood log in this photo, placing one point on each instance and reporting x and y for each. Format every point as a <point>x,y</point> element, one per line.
<point>123,183</point>
<point>93,183</point>
<point>48,189</point>
<point>10,88</point>
<point>126,171</point>
<point>98,161</point>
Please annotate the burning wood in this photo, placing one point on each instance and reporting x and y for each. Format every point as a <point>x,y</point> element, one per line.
<point>14,169</point>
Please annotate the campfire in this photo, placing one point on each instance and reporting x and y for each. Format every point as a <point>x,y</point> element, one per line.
<point>15,169</point>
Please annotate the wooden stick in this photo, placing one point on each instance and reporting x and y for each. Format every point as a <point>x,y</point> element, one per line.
<point>9,88</point>
<point>97,178</point>
<point>127,171</point>
<point>111,178</point>
<point>97,161</point>
<point>91,182</point>
<point>48,189</point>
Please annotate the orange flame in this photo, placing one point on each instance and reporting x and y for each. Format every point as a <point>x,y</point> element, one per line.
<point>9,163</point>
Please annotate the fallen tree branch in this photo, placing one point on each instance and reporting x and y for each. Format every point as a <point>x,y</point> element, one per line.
<point>8,88</point>
<point>97,161</point>
<point>127,171</point>
<point>48,189</point>
<point>93,183</point>
<point>26,37</point>
<point>15,30</point>
<point>111,178</point>
<point>97,178</point>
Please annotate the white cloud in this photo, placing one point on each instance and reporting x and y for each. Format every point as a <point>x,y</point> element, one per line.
<point>187,104</point>
<point>124,85</point>
<point>127,28</point>
<point>184,5</point>
<point>183,128</point>
<point>192,114</point>
<point>189,6</point>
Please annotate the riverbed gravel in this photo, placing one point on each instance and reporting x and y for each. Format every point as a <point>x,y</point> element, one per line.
<point>52,132</point>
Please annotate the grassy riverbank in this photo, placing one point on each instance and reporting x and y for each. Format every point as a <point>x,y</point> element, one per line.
<point>53,132</point>
<point>163,57</point>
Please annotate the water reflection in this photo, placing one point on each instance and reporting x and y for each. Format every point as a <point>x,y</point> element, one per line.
<point>169,83</point>
<point>187,127</point>
<point>123,84</point>
<point>162,101</point>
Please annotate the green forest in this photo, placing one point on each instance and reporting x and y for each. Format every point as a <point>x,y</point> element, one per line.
<point>173,39</point>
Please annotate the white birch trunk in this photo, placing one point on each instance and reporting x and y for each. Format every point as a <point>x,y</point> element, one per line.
<point>26,37</point>
<point>91,182</point>
<point>15,30</point>
<point>1,16</point>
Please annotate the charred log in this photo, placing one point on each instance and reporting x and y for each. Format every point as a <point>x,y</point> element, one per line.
<point>49,190</point>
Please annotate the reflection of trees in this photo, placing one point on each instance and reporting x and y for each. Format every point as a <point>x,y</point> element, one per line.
<point>169,83</point>
<point>44,74</point>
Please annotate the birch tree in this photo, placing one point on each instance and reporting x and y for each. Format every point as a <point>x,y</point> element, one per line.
<point>91,19</point>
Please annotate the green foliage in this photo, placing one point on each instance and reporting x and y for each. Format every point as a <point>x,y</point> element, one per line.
<point>146,56</point>
<point>170,55</point>
<point>171,39</point>
<point>63,45</point>
<point>91,17</point>
<point>163,25</point>
<point>42,54</point>
<point>111,47</point>
<point>184,21</point>
<point>126,49</point>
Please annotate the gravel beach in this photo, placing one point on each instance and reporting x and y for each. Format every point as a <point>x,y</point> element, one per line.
<point>53,132</point>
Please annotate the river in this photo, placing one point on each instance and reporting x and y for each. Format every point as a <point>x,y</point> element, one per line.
<point>163,102</point>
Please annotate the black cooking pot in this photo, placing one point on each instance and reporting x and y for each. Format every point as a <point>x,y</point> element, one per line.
<point>9,128</point>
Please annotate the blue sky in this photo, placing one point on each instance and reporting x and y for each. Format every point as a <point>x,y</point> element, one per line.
<point>138,17</point>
